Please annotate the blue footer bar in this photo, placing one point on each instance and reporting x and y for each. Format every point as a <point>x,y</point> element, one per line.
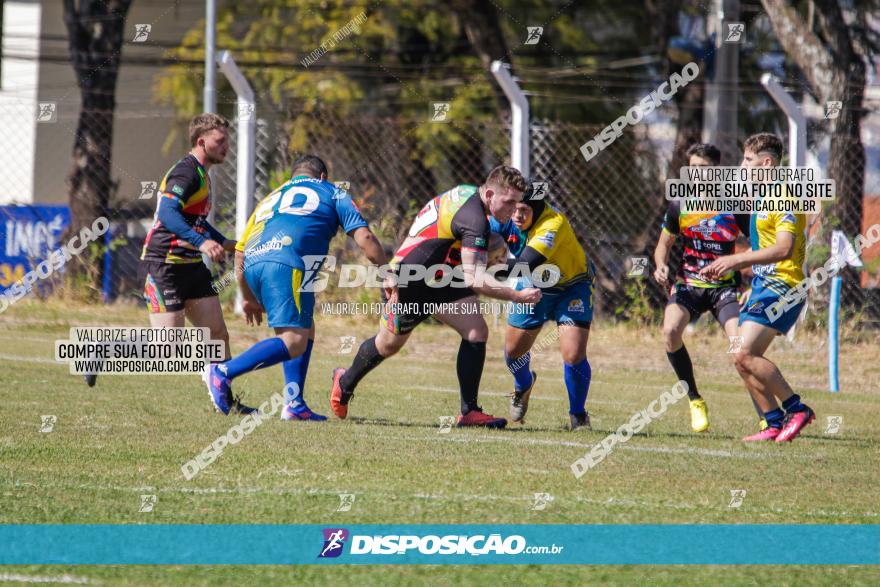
<point>736,544</point>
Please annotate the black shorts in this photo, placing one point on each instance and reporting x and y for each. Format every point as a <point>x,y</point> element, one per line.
<point>721,301</point>
<point>167,286</point>
<point>415,304</point>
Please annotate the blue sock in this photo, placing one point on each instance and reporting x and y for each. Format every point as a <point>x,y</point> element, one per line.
<point>577,381</point>
<point>522,374</point>
<point>774,418</point>
<point>793,404</point>
<point>295,371</point>
<point>263,354</point>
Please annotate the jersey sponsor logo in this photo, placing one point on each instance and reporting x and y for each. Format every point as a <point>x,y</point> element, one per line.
<point>177,189</point>
<point>763,270</point>
<point>275,244</point>
<point>576,306</point>
<point>707,227</point>
<point>479,242</point>
<point>548,238</point>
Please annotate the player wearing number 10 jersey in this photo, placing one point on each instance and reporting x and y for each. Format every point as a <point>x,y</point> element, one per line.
<point>296,220</point>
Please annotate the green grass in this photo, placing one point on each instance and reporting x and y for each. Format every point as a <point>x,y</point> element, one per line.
<point>130,435</point>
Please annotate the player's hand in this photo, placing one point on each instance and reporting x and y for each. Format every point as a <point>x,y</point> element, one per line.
<point>389,289</point>
<point>530,295</point>
<point>213,250</point>
<point>229,245</point>
<point>719,267</point>
<point>253,312</point>
<point>661,275</point>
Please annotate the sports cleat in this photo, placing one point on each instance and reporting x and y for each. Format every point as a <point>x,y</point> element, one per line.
<point>239,408</point>
<point>699,415</point>
<point>519,401</point>
<point>91,379</point>
<point>339,399</point>
<point>580,421</point>
<point>794,423</point>
<point>218,389</point>
<point>300,411</point>
<point>476,417</point>
<point>765,434</point>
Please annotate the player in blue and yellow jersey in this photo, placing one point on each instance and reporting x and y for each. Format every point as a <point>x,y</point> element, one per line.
<point>777,257</point>
<point>706,236</point>
<point>177,284</point>
<point>539,235</point>
<point>294,222</point>
<point>451,232</point>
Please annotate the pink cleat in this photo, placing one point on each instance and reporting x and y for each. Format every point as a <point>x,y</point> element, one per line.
<point>765,434</point>
<point>794,423</point>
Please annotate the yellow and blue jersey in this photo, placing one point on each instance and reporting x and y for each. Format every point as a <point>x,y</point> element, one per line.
<point>298,219</point>
<point>552,236</point>
<point>781,276</point>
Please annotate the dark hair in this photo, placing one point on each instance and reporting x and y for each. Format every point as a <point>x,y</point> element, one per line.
<point>706,151</point>
<point>764,142</point>
<point>309,165</point>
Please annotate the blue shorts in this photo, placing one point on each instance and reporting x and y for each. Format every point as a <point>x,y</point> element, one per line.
<point>276,287</point>
<point>573,303</point>
<point>755,310</point>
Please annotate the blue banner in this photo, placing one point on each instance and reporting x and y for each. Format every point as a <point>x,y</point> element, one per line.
<point>27,235</point>
<point>738,544</point>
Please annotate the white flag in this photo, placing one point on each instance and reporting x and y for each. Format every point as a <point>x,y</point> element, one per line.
<point>843,249</point>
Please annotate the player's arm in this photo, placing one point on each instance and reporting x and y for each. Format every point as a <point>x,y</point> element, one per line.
<point>372,250</point>
<point>214,234</point>
<point>253,311</point>
<point>369,245</point>
<point>473,263</point>
<point>664,244</point>
<point>179,186</point>
<point>528,260</point>
<point>781,250</point>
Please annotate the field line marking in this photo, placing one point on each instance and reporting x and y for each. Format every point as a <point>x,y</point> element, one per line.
<point>66,579</point>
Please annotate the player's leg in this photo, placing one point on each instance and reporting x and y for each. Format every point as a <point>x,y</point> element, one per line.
<point>517,346</point>
<point>675,320</point>
<point>466,320</point>
<point>524,322</point>
<point>573,311</point>
<point>394,331</point>
<point>207,313</point>
<point>295,371</point>
<point>288,311</point>
<point>767,385</point>
<point>731,329</point>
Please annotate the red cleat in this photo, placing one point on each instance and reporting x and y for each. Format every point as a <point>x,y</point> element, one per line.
<point>478,418</point>
<point>794,423</point>
<point>339,409</point>
<point>769,433</point>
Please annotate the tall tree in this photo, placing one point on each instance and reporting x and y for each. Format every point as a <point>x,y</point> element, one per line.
<point>833,66</point>
<point>94,30</point>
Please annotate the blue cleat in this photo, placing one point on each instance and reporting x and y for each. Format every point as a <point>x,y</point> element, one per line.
<point>218,388</point>
<point>298,410</point>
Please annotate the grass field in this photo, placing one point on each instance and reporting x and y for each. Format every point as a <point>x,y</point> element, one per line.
<point>129,436</point>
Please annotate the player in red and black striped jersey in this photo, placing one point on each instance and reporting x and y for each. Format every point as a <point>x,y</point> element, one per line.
<point>177,284</point>
<point>706,236</point>
<point>452,231</point>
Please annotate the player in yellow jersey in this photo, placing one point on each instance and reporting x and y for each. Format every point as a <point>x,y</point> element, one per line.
<point>777,258</point>
<point>540,236</point>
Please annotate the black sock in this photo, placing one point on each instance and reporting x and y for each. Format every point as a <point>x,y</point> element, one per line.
<point>469,366</point>
<point>684,370</point>
<point>366,359</point>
